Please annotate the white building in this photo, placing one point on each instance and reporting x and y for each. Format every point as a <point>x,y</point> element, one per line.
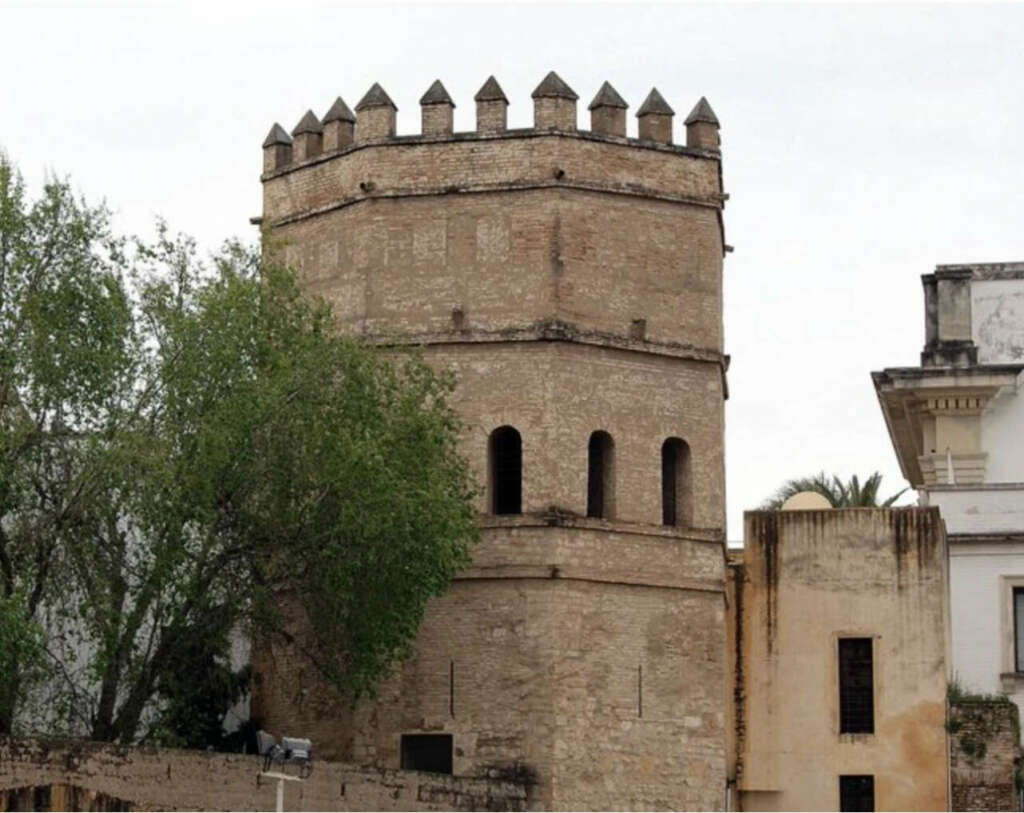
<point>957,424</point>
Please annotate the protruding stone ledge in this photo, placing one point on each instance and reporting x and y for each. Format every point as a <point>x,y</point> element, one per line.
<point>556,544</point>
<point>553,330</point>
<point>565,519</point>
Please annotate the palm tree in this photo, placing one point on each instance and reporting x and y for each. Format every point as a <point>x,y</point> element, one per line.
<point>842,495</point>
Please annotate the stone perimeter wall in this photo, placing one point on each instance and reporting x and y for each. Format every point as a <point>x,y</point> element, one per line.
<point>104,776</point>
<point>983,753</point>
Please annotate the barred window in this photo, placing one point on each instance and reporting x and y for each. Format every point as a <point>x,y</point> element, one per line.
<point>856,793</point>
<point>856,686</point>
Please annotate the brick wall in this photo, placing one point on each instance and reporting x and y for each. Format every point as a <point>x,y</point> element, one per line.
<point>98,776</point>
<point>984,750</point>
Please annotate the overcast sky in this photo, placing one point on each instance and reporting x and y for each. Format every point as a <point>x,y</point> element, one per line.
<point>862,145</point>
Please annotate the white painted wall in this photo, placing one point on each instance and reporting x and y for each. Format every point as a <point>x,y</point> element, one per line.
<point>997,320</point>
<point>979,509</point>
<point>978,571</point>
<point>1002,436</point>
<point>976,594</point>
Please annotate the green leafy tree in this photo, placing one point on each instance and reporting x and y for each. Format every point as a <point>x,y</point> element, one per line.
<point>64,320</point>
<point>252,467</point>
<point>849,494</point>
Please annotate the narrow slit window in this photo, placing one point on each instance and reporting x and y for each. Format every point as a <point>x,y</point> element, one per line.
<point>675,485</point>
<point>856,686</point>
<point>506,471</point>
<point>600,467</point>
<point>856,793</point>
<point>1018,628</point>
<point>427,752</point>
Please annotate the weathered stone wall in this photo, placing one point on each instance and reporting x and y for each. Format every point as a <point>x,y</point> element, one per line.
<point>573,282</point>
<point>983,754</point>
<point>807,579</point>
<point>86,775</point>
<point>597,261</point>
<point>557,393</point>
<point>604,682</point>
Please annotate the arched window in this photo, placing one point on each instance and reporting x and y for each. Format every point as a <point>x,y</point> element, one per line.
<point>600,475</point>
<point>675,482</point>
<point>505,453</point>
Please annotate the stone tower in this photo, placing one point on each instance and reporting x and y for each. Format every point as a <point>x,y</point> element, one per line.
<point>573,281</point>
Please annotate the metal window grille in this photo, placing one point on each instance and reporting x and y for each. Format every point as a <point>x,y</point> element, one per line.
<point>856,686</point>
<point>856,793</point>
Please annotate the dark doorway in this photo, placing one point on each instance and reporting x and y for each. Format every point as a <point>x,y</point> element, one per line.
<point>427,752</point>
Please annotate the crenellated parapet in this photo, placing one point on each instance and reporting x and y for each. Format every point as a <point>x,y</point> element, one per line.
<point>350,157</point>
<point>554,108</point>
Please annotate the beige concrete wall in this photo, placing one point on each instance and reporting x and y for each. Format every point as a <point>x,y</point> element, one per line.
<point>809,578</point>
<point>100,774</point>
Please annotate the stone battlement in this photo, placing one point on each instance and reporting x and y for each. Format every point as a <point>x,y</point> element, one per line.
<point>347,157</point>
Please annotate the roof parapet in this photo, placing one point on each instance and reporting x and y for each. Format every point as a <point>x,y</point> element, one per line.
<point>655,118</point>
<point>554,104</point>
<point>555,109</point>
<point>437,110</point>
<point>491,108</point>
<point>702,127</point>
<point>608,112</point>
<point>339,126</point>
<point>277,149</point>
<point>308,135</point>
<point>375,116</point>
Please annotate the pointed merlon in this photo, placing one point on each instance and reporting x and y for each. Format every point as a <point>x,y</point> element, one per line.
<point>339,112</point>
<point>308,124</point>
<point>552,86</point>
<point>277,135</point>
<point>436,94</point>
<point>702,112</point>
<point>490,92</point>
<point>375,97</point>
<point>607,96</point>
<point>655,104</point>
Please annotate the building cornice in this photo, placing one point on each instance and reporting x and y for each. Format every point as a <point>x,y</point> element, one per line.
<point>552,330</point>
<point>911,398</point>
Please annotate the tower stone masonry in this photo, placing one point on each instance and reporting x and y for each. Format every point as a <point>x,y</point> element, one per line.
<point>572,279</point>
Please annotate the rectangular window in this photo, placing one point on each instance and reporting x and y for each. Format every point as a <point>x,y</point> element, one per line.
<point>1018,629</point>
<point>856,687</point>
<point>856,793</point>
<point>427,752</point>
